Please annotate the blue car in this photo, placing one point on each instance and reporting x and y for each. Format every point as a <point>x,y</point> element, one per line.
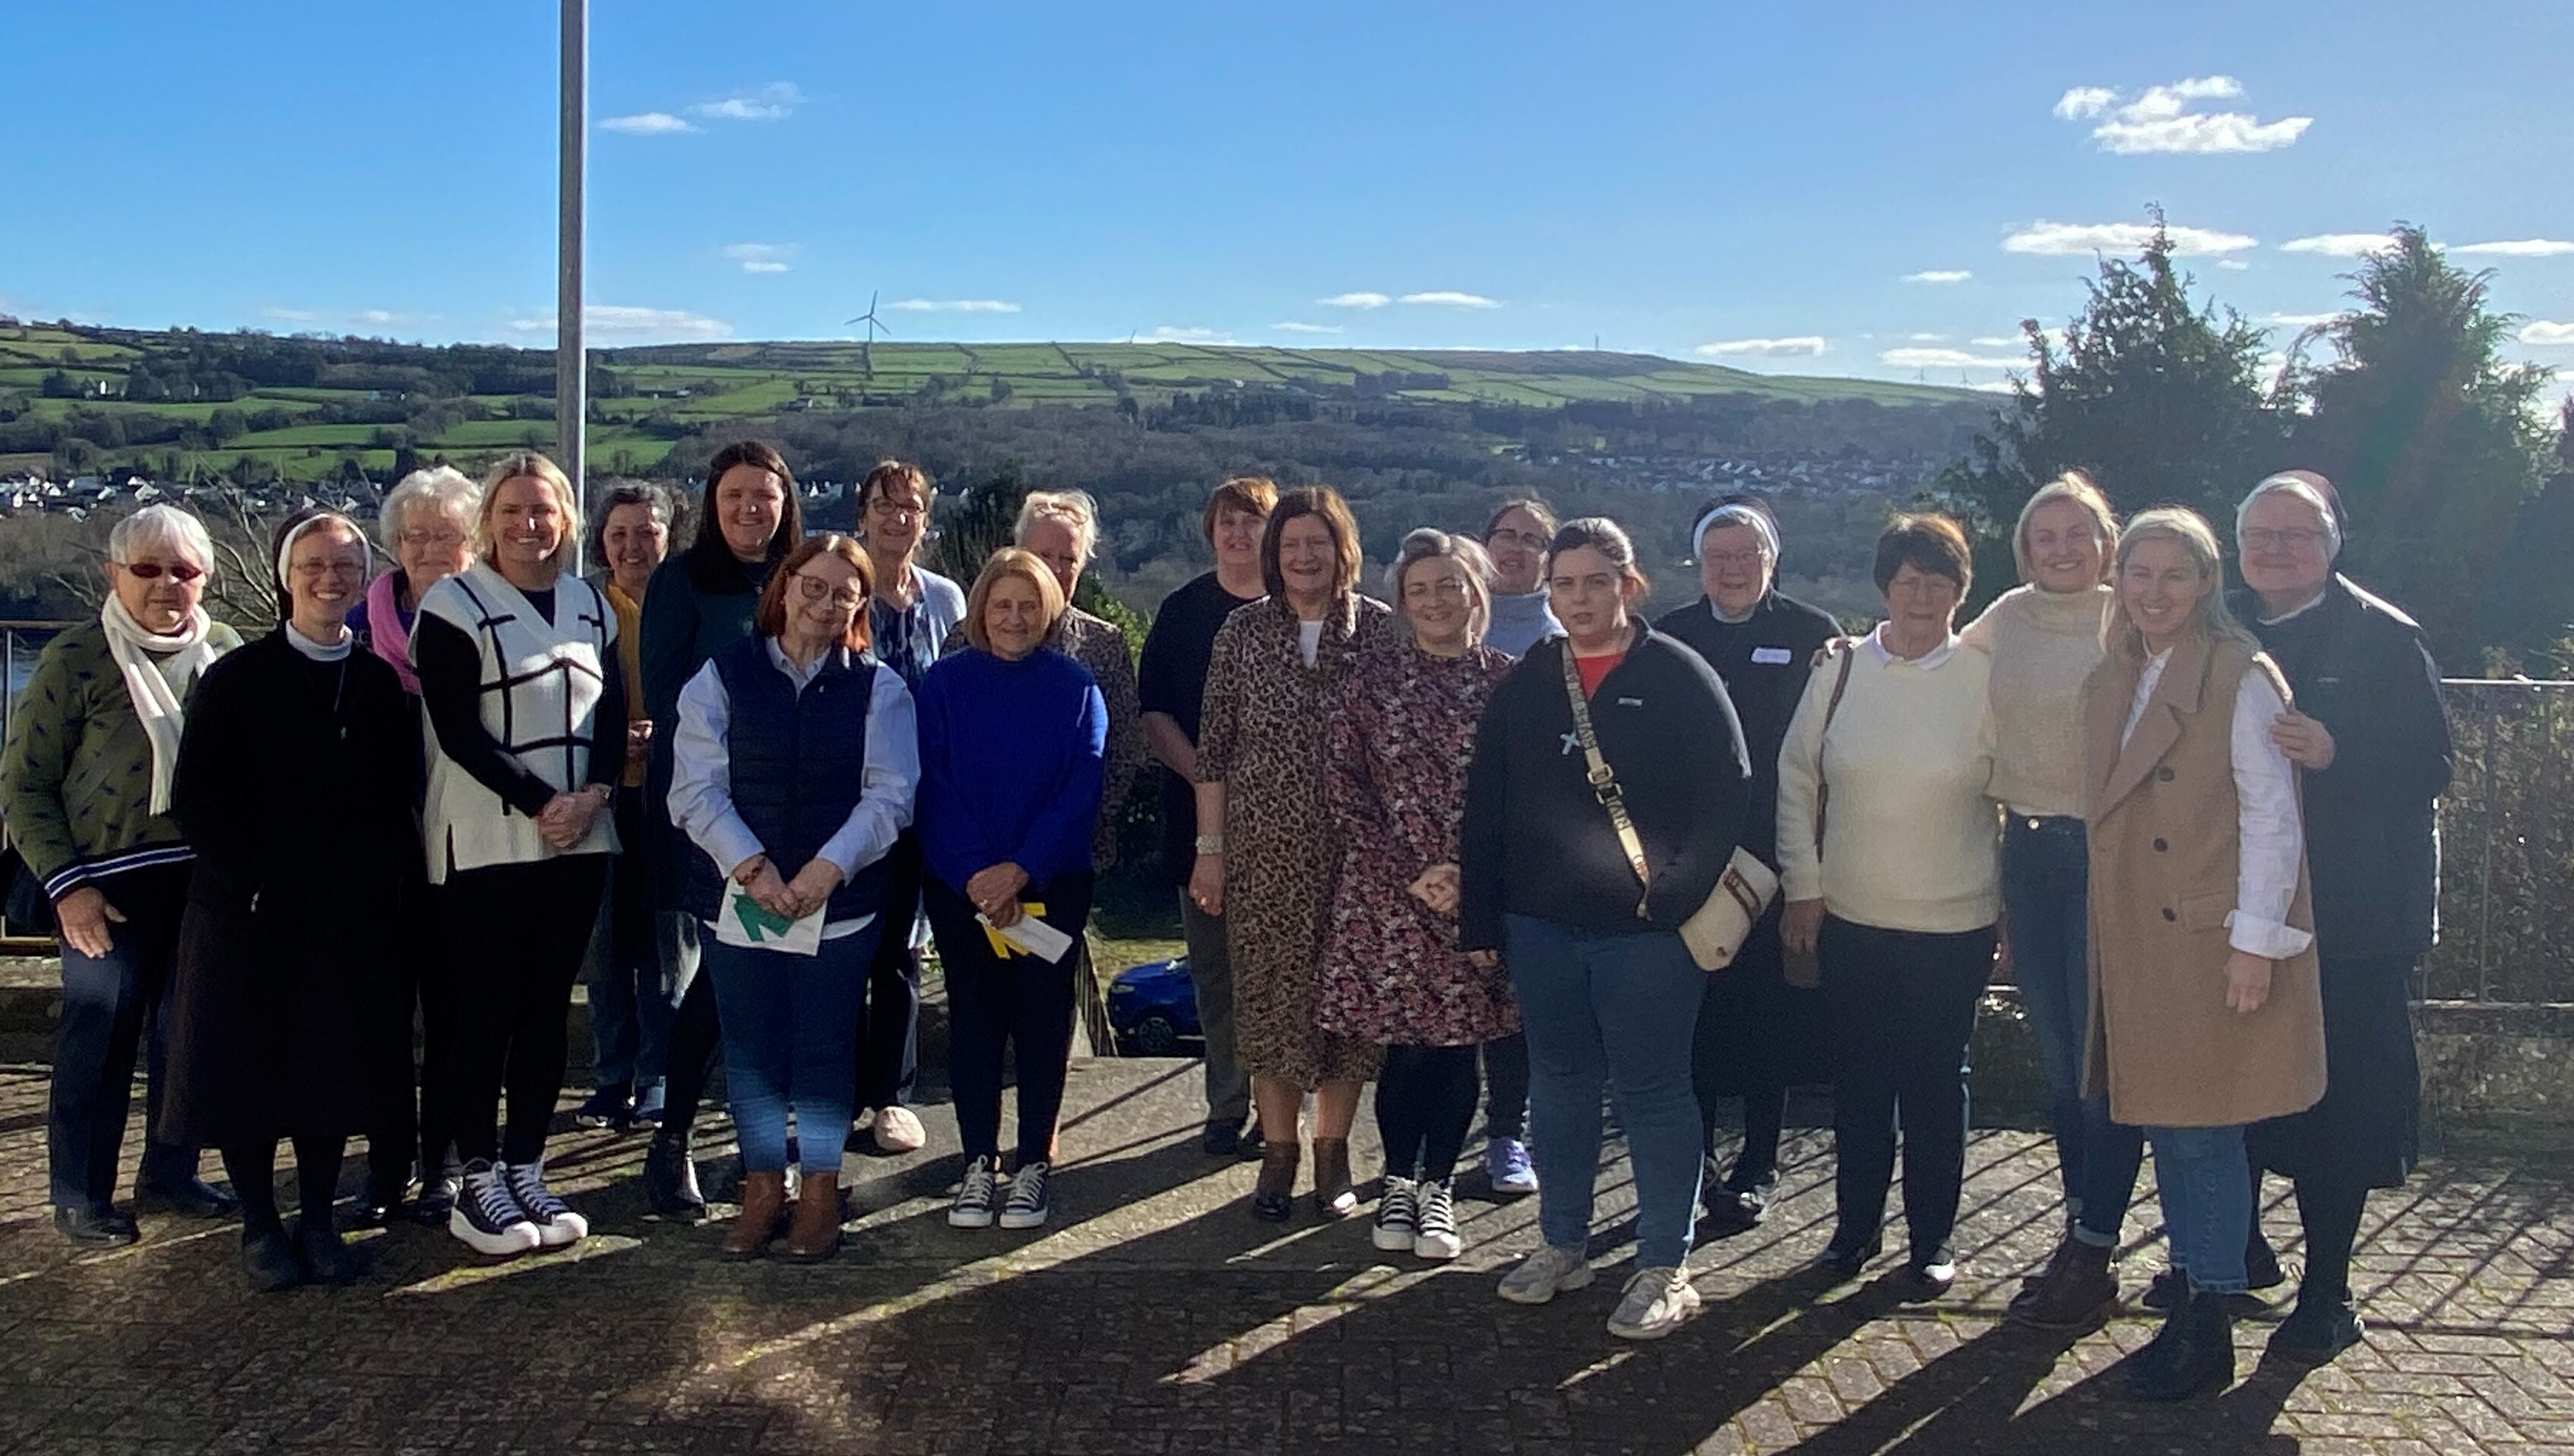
<point>1152,1007</point>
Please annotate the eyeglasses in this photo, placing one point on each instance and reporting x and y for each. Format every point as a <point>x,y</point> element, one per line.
<point>892,510</point>
<point>424,539</point>
<point>814,588</point>
<point>152,571</point>
<point>1506,536</point>
<point>1745,560</point>
<point>2260,538</point>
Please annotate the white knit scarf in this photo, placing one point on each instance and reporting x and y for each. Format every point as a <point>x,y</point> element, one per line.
<point>158,687</point>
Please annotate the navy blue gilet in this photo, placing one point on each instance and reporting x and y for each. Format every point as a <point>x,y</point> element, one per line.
<point>798,765</point>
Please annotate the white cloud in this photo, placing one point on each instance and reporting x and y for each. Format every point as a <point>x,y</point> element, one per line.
<point>2519,248</point>
<point>1805,346</point>
<point>2545,334</point>
<point>618,319</point>
<point>1292,326</point>
<point>2083,102</point>
<point>1939,275</point>
<point>372,317</point>
<point>2068,239</point>
<point>291,316</point>
<point>761,257</point>
<point>773,102</point>
<point>2340,245</point>
<point>1356,301</point>
<point>2233,265</point>
<point>647,124</point>
<point>1170,333</point>
<point>1942,359</point>
<point>1995,341</point>
<point>2298,320</point>
<point>1927,337</point>
<point>2162,119</point>
<point>955,306</point>
<point>1450,299</point>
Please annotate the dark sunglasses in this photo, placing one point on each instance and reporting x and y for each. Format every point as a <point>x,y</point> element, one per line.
<point>151,571</point>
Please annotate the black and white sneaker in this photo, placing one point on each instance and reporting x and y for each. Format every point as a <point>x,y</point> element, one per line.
<point>556,1225</point>
<point>486,1217</point>
<point>1031,1198</point>
<point>1436,1223</point>
<point>1397,1216</point>
<point>975,1196</point>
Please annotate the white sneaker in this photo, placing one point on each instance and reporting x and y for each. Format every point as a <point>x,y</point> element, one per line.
<point>898,1129</point>
<point>1397,1221</point>
<point>1545,1274</point>
<point>1436,1223</point>
<point>556,1225</point>
<point>486,1218</point>
<point>1030,1197</point>
<point>974,1196</point>
<point>1656,1302</point>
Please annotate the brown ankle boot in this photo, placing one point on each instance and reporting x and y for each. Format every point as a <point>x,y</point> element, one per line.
<point>764,1207</point>
<point>1333,1196</point>
<point>816,1236</point>
<point>1274,1197</point>
<point>2076,1290</point>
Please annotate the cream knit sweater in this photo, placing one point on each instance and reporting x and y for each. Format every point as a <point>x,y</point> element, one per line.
<point>1911,839</point>
<point>2042,646</point>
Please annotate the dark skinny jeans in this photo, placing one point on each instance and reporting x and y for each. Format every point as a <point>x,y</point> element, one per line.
<point>1425,1100</point>
<point>996,1004</point>
<point>515,936</point>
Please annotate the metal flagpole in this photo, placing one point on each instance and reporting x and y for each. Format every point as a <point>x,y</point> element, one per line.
<point>572,372</point>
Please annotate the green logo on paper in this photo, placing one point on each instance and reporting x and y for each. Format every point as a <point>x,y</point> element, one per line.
<point>758,921</point>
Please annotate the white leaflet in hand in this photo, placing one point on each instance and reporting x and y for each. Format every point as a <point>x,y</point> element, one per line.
<point>745,923</point>
<point>1032,935</point>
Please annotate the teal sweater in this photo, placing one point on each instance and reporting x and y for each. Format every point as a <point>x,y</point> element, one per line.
<point>76,778</point>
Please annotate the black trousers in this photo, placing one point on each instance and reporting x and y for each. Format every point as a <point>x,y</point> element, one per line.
<point>252,1167</point>
<point>1506,1077</point>
<point>1014,1002</point>
<point>888,1029</point>
<point>515,936</point>
<point>697,1042</point>
<point>1903,1006</point>
<point>1425,1098</point>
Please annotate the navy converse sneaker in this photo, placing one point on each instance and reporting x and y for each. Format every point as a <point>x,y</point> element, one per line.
<point>486,1217</point>
<point>556,1225</point>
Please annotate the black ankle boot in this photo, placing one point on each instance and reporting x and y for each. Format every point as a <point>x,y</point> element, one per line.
<point>2193,1355</point>
<point>671,1177</point>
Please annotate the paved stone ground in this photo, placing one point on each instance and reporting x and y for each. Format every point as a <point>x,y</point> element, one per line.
<point>1157,1316</point>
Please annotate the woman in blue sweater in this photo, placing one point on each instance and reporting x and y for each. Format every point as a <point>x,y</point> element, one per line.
<point>1014,741</point>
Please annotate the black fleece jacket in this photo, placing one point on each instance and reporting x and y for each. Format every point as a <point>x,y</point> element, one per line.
<point>1537,842</point>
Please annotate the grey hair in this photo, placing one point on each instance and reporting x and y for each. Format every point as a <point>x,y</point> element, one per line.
<point>1427,543</point>
<point>167,526</point>
<point>1073,507</point>
<point>443,488</point>
<point>2212,617</point>
<point>2300,484</point>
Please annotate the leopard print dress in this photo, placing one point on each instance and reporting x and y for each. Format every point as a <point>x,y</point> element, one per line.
<point>1265,734</point>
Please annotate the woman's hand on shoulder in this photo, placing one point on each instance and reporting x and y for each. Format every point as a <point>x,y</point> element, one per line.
<point>2306,741</point>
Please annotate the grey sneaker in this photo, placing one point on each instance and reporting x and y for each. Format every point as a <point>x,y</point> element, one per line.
<point>1656,1302</point>
<point>1396,1221</point>
<point>1545,1274</point>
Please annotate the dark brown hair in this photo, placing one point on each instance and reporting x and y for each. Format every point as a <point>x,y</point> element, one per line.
<point>1546,522</point>
<point>1326,503</point>
<point>769,618</point>
<point>1928,542</point>
<point>888,473</point>
<point>760,455</point>
<point>626,493</point>
<point>1606,537</point>
<point>1251,495</point>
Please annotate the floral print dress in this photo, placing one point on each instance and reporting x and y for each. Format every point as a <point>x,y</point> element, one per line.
<point>1264,734</point>
<point>1396,787</point>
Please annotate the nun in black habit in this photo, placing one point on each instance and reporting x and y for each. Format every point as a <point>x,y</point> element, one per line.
<point>296,788</point>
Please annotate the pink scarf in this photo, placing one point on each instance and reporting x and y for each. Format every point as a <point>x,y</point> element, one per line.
<point>384,630</point>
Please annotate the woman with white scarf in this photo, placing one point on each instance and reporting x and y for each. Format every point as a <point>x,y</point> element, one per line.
<point>85,786</point>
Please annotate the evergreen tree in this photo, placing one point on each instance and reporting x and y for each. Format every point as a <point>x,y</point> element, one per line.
<point>983,520</point>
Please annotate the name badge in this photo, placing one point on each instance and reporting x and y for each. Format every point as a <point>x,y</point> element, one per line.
<point>1772,657</point>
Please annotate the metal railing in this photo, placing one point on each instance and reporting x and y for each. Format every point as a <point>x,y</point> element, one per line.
<point>2507,847</point>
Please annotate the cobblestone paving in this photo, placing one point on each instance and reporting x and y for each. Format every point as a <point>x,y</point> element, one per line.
<point>1157,1316</point>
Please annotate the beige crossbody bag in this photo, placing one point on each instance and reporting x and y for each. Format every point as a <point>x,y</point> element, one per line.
<point>1715,932</point>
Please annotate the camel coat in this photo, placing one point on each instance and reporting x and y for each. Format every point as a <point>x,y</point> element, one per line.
<point>2162,817</point>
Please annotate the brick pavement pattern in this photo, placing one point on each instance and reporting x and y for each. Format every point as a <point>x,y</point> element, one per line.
<point>1157,1316</point>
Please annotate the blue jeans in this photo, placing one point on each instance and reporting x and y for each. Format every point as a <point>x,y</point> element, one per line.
<point>112,1008</point>
<point>2206,1185</point>
<point>787,1044</point>
<point>1620,1010</point>
<point>2045,876</point>
<point>630,975</point>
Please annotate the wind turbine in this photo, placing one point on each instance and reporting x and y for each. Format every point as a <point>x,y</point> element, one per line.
<point>866,351</point>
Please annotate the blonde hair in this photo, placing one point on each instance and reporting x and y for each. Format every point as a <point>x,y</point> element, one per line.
<point>2211,619</point>
<point>1428,544</point>
<point>2076,487</point>
<point>1074,508</point>
<point>1009,561</point>
<point>527,465</point>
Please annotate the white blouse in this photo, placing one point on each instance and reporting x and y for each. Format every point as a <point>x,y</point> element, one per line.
<point>2269,829</point>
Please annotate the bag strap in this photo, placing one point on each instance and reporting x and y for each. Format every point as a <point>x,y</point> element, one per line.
<point>1604,781</point>
<point>1822,785</point>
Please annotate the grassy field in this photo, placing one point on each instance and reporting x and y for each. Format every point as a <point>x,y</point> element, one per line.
<point>713,383</point>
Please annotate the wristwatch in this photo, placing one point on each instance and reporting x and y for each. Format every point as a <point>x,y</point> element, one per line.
<point>1210,843</point>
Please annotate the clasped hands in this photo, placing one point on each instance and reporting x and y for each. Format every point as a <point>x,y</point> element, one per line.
<point>1437,888</point>
<point>994,890</point>
<point>567,818</point>
<point>793,899</point>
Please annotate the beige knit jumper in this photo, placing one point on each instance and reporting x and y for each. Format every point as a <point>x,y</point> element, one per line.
<point>2042,645</point>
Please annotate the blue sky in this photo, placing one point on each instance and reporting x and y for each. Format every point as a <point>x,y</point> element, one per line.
<point>1827,187</point>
